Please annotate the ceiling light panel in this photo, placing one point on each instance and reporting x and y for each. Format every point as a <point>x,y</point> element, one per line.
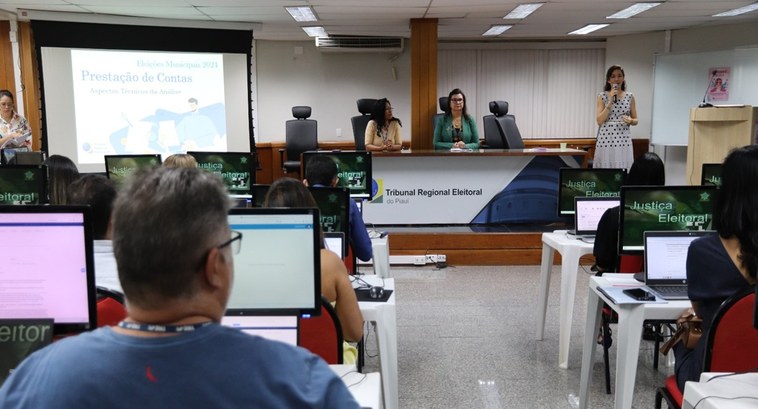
<point>317,31</point>
<point>737,12</point>
<point>496,30</point>
<point>302,13</point>
<point>588,29</point>
<point>633,10</point>
<point>523,10</point>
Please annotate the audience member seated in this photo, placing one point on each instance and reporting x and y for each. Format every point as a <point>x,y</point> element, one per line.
<point>180,160</point>
<point>61,171</point>
<point>457,129</point>
<point>383,130</point>
<point>725,262</point>
<point>321,171</point>
<point>647,170</point>
<point>335,284</point>
<point>174,249</point>
<point>99,192</point>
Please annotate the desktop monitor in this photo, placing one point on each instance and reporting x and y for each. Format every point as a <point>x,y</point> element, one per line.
<point>119,167</point>
<point>353,170</point>
<point>278,268</point>
<point>573,182</point>
<point>334,207</point>
<point>48,267</point>
<point>711,174</point>
<point>23,185</point>
<point>662,208</point>
<point>8,155</point>
<point>237,169</point>
<point>259,194</point>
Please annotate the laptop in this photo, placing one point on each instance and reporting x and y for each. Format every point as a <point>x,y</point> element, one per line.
<point>666,261</point>
<point>588,211</point>
<point>335,242</point>
<point>283,328</point>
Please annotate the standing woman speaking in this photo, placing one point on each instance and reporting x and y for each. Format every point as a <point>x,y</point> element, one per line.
<point>14,129</point>
<point>616,112</point>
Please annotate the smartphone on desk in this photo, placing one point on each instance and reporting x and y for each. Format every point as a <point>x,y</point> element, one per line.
<point>639,294</point>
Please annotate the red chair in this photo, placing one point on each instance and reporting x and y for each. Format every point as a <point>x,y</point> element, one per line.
<point>730,344</point>
<point>110,307</point>
<point>322,334</point>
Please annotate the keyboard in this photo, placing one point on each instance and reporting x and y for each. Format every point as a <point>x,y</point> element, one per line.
<point>671,291</point>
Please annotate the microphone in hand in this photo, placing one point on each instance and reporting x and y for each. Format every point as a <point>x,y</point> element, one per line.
<point>615,97</point>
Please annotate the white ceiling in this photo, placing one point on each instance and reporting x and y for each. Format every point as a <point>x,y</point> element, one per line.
<point>458,19</point>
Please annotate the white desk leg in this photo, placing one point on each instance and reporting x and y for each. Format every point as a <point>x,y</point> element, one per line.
<point>569,267</point>
<point>591,329</point>
<point>548,254</point>
<point>387,342</point>
<point>631,317</point>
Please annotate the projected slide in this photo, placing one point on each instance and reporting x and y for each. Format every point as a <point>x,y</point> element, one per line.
<point>129,102</point>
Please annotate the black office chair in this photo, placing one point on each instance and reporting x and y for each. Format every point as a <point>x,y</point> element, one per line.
<point>444,107</point>
<point>507,124</point>
<point>301,134</point>
<point>493,137</point>
<point>365,106</point>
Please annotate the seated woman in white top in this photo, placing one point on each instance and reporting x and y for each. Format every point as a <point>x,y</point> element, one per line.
<point>383,130</point>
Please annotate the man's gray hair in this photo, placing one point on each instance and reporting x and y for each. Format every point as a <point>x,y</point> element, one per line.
<point>165,221</point>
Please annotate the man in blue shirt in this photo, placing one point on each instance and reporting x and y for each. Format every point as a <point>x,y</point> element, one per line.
<point>174,249</point>
<point>321,171</point>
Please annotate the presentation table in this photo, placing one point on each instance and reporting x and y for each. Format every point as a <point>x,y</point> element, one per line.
<point>384,316</point>
<point>629,334</point>
<point>468,187</point>
<point>571,250</point>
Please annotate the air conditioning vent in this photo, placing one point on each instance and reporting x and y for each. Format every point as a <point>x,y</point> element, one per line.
<point>360,44</point>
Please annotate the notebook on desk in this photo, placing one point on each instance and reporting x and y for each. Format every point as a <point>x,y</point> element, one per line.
<point>666,261</point>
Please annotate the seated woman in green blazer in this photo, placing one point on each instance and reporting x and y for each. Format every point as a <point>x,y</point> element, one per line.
<point>456,129</point>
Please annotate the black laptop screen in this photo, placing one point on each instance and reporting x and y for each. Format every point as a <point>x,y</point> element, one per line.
<point>575,182</point>
<point>662,208</point>
<point>119,167</point>
<point>711,174</point>
<point>23,184</point>
<point>237,169</point>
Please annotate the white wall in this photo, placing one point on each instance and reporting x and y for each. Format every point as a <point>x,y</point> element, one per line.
<point>329,83</point>
<point>636,53</point>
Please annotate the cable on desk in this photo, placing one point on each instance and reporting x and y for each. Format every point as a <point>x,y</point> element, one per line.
<point>363,378</point>
<point>726,375</point>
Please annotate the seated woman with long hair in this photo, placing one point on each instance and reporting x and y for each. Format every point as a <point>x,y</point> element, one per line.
<point>723,263</point>
<point>335,284</point>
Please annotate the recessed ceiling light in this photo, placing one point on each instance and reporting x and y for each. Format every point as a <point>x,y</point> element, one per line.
<point>633,10</point>
<point>496,30</point>
<point>523,10</point>
<point>302,13</point>
<point>737,12</point>
<point>317,31</point>
<point>588,29</point>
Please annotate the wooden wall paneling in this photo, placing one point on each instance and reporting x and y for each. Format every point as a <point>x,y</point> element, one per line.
<point>6,58</point>
<point>30,83</point>
<point>423,81</point>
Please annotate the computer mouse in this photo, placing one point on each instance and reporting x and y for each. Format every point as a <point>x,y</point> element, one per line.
<point>376,292</point>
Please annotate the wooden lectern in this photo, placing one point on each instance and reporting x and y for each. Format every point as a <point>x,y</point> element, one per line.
<point>716,131</point>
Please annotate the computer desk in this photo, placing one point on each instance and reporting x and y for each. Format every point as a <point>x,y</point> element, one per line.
<point>571,250</point>
<point>630,321</point>
<point>384,316</point>
<point>732,391</point>
<point>365,388</point>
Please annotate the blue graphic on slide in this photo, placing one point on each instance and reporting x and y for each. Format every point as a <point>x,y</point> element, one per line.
<point>532,196</point>
<point>196,129</point>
